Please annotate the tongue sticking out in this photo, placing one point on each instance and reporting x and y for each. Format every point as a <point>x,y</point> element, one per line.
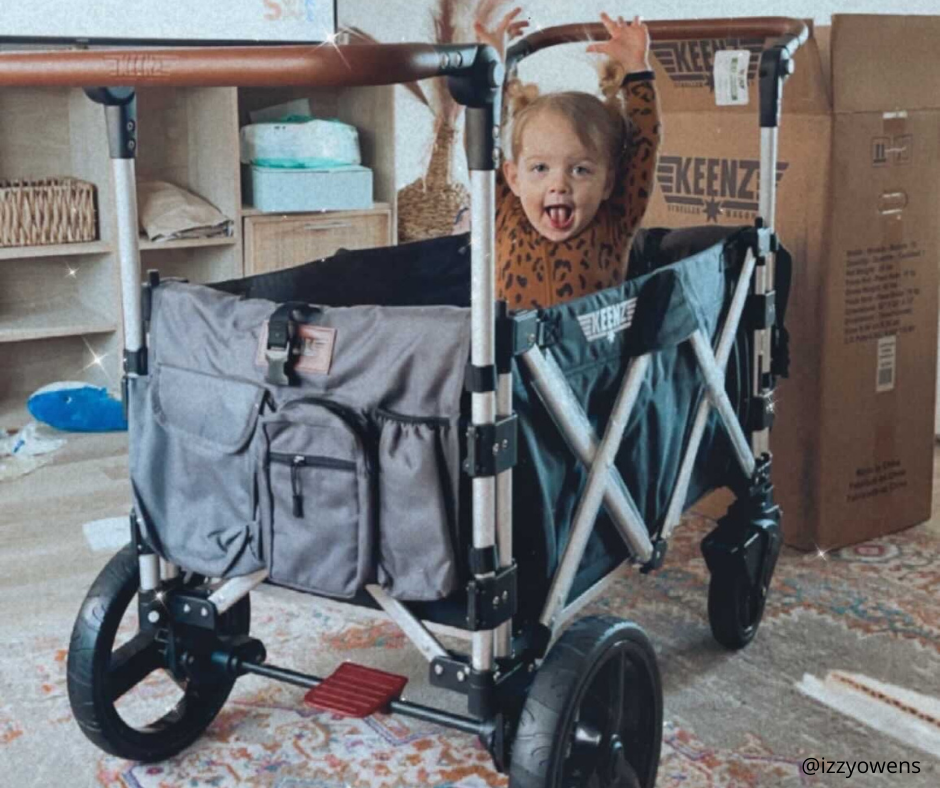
<point>560,216</point>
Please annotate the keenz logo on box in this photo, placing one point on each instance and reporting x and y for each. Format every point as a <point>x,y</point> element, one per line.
<point>608,321</point>
<point>691,64</point>
<point>718,188</point>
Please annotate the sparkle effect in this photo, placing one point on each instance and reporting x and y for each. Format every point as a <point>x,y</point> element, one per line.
<point>821,554</point>
<point>97,360</point>
<point>335,41</point>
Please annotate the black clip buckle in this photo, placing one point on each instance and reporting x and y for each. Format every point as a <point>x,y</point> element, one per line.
<point>281,344</point>
<point>278,359</point>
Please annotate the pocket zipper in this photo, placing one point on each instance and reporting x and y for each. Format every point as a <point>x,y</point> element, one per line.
<point>298,461</point>
<point>345,414</point>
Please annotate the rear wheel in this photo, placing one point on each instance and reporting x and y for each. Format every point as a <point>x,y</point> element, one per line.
<point>122,694</point>
<point>735,608</point>
<point>593,717</point>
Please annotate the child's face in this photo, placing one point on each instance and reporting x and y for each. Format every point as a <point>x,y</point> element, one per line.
<point>559,181</point>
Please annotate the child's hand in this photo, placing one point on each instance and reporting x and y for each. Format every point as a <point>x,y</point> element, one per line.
<point>629,43</point>
<point>507,28</point>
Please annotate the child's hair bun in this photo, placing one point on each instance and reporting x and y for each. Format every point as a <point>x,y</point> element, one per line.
<point>520,95</point>
<point>611,75</point>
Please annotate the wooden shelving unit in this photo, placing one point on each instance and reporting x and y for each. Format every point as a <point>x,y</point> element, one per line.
<point>54,250</point>
<point>60,305</point>
<point>186,243</point>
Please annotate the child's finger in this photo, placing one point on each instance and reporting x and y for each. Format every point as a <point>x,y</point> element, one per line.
<point>608,23</point>
<point>512,15</point>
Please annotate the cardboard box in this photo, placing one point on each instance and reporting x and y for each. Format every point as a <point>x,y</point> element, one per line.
<point>857,207</point>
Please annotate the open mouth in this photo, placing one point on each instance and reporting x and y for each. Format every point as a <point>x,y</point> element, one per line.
<point>561,217</point>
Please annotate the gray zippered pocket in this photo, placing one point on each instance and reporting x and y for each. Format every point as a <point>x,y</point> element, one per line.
<point>317,501</point>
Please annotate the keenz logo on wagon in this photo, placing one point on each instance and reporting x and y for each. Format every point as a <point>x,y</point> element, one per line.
<point>718,188</point>
<point>608,320</point>
<point>691,64</point>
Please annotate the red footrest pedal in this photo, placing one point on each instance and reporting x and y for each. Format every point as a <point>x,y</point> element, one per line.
<point>356,691</point>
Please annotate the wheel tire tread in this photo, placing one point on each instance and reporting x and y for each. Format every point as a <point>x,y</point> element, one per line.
<point>544,709</point>
<point>91,635</point>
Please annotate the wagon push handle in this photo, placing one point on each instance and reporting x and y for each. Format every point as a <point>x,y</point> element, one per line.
<point>278,65</point>
<point>776,62</point>
<point>791,33</point>
<point>475,72</point>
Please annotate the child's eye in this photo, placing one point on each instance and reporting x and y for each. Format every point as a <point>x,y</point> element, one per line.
<point>580,169</point>
<point>539,168</point>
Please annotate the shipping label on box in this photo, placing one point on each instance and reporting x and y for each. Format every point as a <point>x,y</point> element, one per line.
<point>878,372</point>
<point>691,63</point>
<point>688,72</point>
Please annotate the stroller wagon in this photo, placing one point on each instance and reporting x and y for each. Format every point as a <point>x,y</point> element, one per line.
<point>321,428</point>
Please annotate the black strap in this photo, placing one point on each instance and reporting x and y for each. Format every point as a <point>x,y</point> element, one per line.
<point>780,338</point>
<point>638,76</point>
<point>479,380</point>
<point>279,333</point>
<point>282,332</point>
<point>484,560</point>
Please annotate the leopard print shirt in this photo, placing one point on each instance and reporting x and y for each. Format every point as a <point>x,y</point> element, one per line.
<point>534,272</point>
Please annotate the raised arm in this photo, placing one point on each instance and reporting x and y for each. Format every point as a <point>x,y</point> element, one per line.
<point>634,181</point>
<point>628,47</point>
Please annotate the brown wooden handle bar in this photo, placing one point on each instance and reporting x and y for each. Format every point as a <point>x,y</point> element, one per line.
<point>327,65</point>
<point>792,32</point>
<point>221,66</point>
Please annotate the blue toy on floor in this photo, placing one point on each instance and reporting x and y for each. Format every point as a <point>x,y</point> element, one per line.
<point>77,407</point>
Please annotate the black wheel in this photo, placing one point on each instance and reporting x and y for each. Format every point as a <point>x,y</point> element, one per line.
<point>735,608</point>
<point>593,717</point>
<point>123,697</point>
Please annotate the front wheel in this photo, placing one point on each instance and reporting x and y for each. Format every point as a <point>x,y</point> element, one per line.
<point>593,717</point>
<point>123,697</point>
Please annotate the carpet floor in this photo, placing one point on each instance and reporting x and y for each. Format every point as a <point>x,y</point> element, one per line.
<point>845,668</point>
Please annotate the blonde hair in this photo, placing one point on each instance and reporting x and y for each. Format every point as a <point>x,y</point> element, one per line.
<point>601,126</point>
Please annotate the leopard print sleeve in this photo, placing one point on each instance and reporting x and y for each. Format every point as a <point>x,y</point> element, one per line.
<point>633,186</point>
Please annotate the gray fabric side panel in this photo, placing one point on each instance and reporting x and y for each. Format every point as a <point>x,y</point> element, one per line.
<point>194,485</point>
<point>401,358</point>
<point>549,480</point>
<point>652,312</point>
<point>408,361</point>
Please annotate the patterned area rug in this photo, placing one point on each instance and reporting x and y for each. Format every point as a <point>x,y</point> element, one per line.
<point>870,613</point>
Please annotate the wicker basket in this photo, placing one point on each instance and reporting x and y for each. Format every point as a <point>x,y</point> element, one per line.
<point>47,211</point>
